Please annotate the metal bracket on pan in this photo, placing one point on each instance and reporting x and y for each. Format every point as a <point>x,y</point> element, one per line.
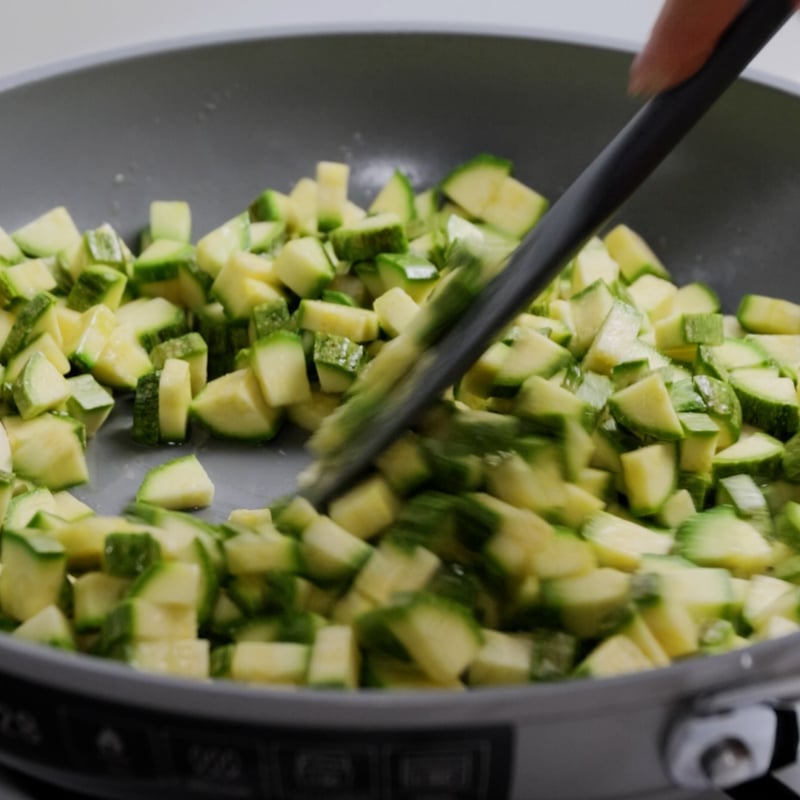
<point>736,738</point>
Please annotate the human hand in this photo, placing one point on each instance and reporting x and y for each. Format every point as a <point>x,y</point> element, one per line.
<point>683,37</point>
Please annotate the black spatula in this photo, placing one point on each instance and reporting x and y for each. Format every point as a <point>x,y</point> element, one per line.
<point>577,215</point>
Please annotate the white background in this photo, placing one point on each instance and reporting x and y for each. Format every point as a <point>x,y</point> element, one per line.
<point>37,32</point>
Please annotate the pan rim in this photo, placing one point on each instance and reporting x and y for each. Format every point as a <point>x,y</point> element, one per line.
<point>107,57</point>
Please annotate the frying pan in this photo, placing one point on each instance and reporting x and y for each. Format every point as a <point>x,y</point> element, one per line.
<point>216,122</point>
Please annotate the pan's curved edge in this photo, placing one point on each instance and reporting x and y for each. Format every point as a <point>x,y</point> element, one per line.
<point>102,57</point>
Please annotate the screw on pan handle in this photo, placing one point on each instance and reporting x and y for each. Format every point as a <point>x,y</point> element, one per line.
<point>735,751</point>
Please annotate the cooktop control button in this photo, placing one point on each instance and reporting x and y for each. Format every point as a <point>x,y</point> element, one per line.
<point>441,772</point>
<point>221,767</point>
<point>109,745</point>
<point>25,731</point>
<point>333,772</point>
<point>28,722</point>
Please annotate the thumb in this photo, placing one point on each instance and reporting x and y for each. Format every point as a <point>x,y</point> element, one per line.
<point>683,37</point>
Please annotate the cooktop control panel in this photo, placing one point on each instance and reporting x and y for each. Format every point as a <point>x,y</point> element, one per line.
<point>121,751</point>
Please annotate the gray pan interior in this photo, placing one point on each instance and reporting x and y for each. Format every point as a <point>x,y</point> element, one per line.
<point>214,124</point>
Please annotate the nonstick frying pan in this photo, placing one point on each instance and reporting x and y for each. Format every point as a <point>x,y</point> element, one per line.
<point>214,123</point>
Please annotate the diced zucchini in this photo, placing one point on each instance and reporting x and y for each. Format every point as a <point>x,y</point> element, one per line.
<point>58,466</point>
<point>678,507</point>
<point>613,341</point>
<point>388,673</point>
<point>771,315</point>
<point>267,237</point>
<point>621,543</point>
<point>39,387</point>
<point>365,239</point>
<point>302,207</point>
<point>278,663</point>
<point>184,658</point>
<point>768,401</point>
<point>549,405</point>
<point>331,553</point>
<point>189,347</point>
<point>699,442</point>
<point>440,636</point>
<point>137,620</point>
<point>122,361</point>
<point>179,483</point>
<point>233,406</point>
<point>744,494</point>
<point>126,554</point>
<point>34,569</point>
<point>537,485</point>
<point>247,553</point>
<point>152,320</point>
<point>587,605</point>
<point>24,281</point>
<point>279,365</point>
<point>397,197</point>
<point>645,408</point>
<point>650,475</point>
<point>214,249</point>
<point>414,274</point>
<point>245,281</point>
<point>503,659</point>
<point>366,509</point>
<point>88,402</point>
<point>679,335</point>
<point>270,205</point>
<point>474,184</point>
<point>719,538</point>
<point>514,208</point>
<point>145,424</point>
<point>48,626</point>
<point>35,317</point>
<point>732,354</point>
<point>87,340</point>
<point>509,537</point>
<point>334,661</point>
<point>9,252</point>
<point>755,453</point>
<point>652,295</point>
<point>396,310</point>
<point>157,269</point>
<point>722,405</point>
<point>357,324</point>
<point>695,297</point>
<point>174,400</point>
<point>531,353</point>
<point>617,655</point>
<point>304,267</point>
<point>593,264</point>
<point>94,595</point>
<point>170,219</point>
<point>332,179</point>
<point>762,592</point>
<point>783,350</point>
<point>632,253</point>
<point>707,593</point>
<point>170,583</point>
<point>403,464</point>
<point>48,235</point>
